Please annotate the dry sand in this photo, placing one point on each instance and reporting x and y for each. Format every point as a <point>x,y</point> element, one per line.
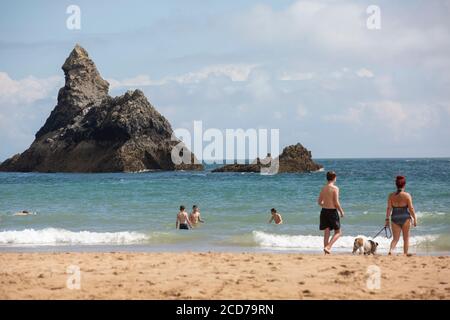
<point>221,276</point>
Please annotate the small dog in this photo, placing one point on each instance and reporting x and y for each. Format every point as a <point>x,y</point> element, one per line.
<point>364,245</point>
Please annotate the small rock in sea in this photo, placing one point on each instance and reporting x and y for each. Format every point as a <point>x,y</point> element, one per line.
<point>293,159</point>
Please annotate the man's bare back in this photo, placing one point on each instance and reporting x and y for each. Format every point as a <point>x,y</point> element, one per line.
<point>183,219</point>
<point>328,196</point>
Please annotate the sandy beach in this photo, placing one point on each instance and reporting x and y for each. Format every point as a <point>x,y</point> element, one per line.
<point>222,276</point>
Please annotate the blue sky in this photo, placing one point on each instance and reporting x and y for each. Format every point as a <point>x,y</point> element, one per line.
<point>309,68</point>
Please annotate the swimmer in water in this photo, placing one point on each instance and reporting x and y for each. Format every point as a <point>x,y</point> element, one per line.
<point>275,216</point>
<point>183,219</point>
<point>195,217</point>
<point>24,213</point>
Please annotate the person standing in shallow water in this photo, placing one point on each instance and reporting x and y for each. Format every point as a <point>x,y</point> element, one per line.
<point>275,216</point>
<point>400,209</point>
<point>329,217</point>
<point>195,217</point>
<point>183,219</point>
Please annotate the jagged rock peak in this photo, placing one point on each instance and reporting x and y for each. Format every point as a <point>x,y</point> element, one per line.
<point>78,54</point>
<point>81,73</point>
<point>84,87</point>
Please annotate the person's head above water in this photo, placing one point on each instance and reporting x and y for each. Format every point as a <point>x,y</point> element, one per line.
<point>182,208</point>
<point>400,182</point>
<point>273,210</point>
<point>331,176</point>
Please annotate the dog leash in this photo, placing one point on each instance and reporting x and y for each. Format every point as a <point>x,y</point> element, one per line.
<point>385,228</point>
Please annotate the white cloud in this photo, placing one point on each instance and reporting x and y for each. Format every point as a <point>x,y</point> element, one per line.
<point>364,73</point>
<point>350,116</point>
<point>259,86</point>
<point>392,118</point>
<point>405,120</point>
<point>301,111</point>
<point>340,27</point>
<point>235,72</point>
<point>293,76</point>
<point>385,86</point>
<point>137,81</point>
<point>26,90</point>
<point>19,116</point>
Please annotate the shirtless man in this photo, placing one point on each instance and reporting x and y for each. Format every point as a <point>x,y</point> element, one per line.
<point>329,218</point>
<point>195,216</point>
<point>183,219</point>
<point>275,216</point>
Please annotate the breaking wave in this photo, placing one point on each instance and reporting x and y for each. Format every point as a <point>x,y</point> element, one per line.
<point>283,241</point>
<point>53,236</point>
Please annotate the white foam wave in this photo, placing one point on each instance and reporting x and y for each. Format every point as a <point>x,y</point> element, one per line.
<point>53,236</point>
<point>421,214</point>
<point>283,241</point>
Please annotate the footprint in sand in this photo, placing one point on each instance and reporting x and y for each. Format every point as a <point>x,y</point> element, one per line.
<point>307,292</point>
<point>56,288</point>
<point>346,273</point>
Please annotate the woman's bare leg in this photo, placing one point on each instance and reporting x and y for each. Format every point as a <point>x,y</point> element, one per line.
<point>396,230</point>
<point>405,231</point>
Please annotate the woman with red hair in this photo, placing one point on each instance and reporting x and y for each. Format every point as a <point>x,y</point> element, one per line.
<point>400,210</point>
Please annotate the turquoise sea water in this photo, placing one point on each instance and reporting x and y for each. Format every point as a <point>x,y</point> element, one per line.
<point>136,211</point>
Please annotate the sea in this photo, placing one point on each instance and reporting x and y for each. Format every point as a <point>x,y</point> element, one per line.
<point>137,211</point>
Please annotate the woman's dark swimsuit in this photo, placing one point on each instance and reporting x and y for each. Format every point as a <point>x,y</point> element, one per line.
<point>400,215</point>
<point>184,226</point>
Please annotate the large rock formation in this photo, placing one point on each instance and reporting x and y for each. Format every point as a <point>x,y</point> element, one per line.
<point>293,159</point>
<point>89,131</point>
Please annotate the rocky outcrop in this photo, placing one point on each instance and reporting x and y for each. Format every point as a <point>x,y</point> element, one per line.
<point>89,131</point>
<point>293,159</point>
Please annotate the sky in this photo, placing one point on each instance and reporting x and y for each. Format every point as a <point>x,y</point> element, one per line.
<point>312,69</point>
